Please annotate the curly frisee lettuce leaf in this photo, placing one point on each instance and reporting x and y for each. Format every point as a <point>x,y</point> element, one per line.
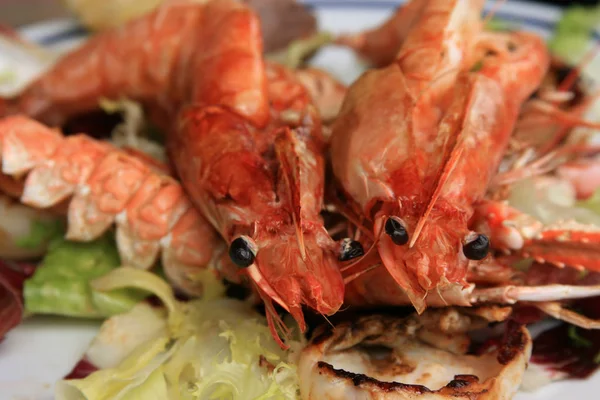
<point>61,283</point>
<point>203,349</point>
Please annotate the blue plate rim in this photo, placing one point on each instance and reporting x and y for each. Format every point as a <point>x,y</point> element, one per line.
<point>76,31</point>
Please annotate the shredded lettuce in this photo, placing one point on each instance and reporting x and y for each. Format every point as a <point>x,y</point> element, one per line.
<point>61,283</point>
<point>134,377</point>
<point>572,33</point>
<point>133,278</point>
<point>139,325</point>
<point>135,131</point>
<point>204,349</point>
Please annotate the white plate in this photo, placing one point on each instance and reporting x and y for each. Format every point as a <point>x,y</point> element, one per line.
<point>42,350</point>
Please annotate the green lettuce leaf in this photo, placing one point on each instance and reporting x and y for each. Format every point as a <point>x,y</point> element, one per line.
<point>61,284</point>
<point>116,340</point>
<point>135,375</point>
<point>213,349</point>
<point>572,33</point>
<point>576,339</point>
<point>41,232</point>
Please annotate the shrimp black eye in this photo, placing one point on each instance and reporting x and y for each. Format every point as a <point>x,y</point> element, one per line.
<point>241,252</point>
<point>478,248</point>
<point>396,231</point>
<point>351,249</point>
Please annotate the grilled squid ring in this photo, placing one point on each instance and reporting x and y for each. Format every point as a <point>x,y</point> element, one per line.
<point>381,357</point>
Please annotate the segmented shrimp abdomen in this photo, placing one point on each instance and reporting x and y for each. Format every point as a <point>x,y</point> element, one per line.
<point>149,216</point>
<point>24,145</point>
<point>56,178</point>
<point>105,194</point>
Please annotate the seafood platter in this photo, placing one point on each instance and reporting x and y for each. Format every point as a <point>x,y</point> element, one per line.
<point>272,199</point>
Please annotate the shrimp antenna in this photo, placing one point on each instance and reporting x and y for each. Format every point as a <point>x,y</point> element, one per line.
<point>359,225</point>
<point>358,274</point>
<point>495,7</point>
<point>564,117</point>
<point>347,213</point>
<point>342,309</point>
<point>274,320</point>
<point>328,321</point>
<point>567,125</point>
<point>376,239</point>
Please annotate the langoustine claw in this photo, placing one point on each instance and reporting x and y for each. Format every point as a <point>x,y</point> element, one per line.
<point>422,357</point>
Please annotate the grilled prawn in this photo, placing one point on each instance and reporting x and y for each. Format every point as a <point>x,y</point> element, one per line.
<point>257,173</point>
